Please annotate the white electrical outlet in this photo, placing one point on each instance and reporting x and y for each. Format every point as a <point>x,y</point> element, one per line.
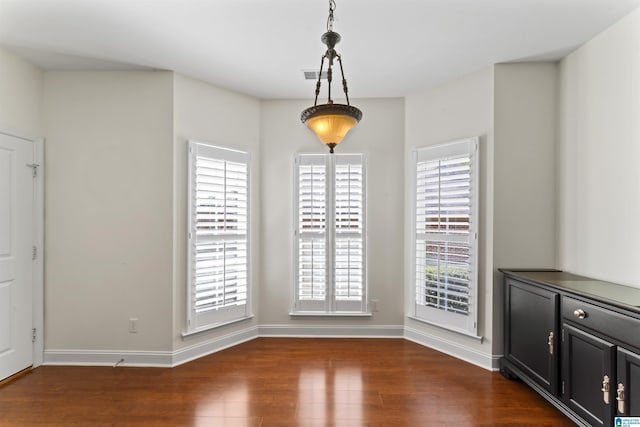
<point>133,325</point>
<point>374,305</point>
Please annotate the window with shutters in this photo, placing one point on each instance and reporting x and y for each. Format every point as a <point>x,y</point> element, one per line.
<point>446,235</point>
<point>218,290</point>
<point>330,232</point>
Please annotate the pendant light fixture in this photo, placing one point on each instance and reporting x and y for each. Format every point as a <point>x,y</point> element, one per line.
<point>331,122</point>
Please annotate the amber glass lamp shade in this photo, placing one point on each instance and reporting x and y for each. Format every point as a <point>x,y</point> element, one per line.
<point>331,122</point>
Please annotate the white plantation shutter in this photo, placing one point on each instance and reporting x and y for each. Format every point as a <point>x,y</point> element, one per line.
<point>330,233</point>
<point>218,235</point>
<point>311,292</point>
<point>446,229</point>
<point>349,233</point>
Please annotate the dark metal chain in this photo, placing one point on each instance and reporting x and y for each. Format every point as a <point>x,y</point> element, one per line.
<point>330,55</point>
<point>332,7</point>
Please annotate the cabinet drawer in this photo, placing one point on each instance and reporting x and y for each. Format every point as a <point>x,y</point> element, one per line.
<point>617,326</point>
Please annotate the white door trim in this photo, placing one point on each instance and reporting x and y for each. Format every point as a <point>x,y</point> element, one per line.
<point>38,264</point>
<point>38,242</point>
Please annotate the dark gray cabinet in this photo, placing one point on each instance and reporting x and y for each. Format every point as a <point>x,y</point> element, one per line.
<point>627,386</point>
<point>576,341</point>
<point>531,332</point>
<point>588,375</point>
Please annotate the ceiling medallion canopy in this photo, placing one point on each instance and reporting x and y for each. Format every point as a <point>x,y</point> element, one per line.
<point>331,121</point>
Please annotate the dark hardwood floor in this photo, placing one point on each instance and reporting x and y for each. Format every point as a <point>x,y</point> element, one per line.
<point>281,382</point>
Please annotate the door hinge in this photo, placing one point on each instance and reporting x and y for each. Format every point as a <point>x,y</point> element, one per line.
<point>34,253</point>
<point>562,387</point>
<point>34,167</point>
<point>33,335</point>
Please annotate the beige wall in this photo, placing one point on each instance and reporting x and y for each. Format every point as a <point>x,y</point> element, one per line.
<point>524,165</point>
<point>599,150</point>
<point>512,108</point>
<point>458,109</point>
<point>20,96</point>
<point>116,205</point>
<point>380,135</point>
<point>525,109</point>
<point>109,211</point>
<point>205,113</point>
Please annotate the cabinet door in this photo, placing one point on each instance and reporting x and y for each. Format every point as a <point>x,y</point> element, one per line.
<point>531,332</point>
<point>628,383</point>
<point>587,363</point>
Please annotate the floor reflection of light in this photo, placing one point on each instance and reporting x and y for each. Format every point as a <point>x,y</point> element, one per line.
<point>230,402</point>
<point>328,394</point>
<point>312,394</point>
<point>347,398</point>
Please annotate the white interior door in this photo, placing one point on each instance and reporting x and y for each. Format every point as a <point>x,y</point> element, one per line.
<point>16,253</point>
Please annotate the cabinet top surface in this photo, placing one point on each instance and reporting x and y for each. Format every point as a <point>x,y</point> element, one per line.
<point>621,295</point>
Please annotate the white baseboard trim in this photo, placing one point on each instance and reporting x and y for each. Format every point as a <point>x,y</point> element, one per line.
<point>171,359</point>
<point>322,331</point>
<point>214,345</point>
<point>451,348</point>
<point>160,359</point>
<point>107,358</point>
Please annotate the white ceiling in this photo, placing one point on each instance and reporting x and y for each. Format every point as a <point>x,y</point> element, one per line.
<point>258,47</point>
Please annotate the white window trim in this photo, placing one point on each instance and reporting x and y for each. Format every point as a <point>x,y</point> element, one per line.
<point>434,316</point>
<point>329,308</point>
<point>197,323</point>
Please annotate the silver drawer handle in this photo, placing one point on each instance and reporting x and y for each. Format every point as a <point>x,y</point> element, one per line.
<point>580,313</point>
<point>605,389</point>
<point>620,398</point>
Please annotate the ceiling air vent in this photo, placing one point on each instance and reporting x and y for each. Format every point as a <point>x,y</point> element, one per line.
<point>313,75</point>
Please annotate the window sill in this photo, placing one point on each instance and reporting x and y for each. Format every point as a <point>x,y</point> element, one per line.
<point>444,327</point>
<point>216,325</point>
<point>326,314</point>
